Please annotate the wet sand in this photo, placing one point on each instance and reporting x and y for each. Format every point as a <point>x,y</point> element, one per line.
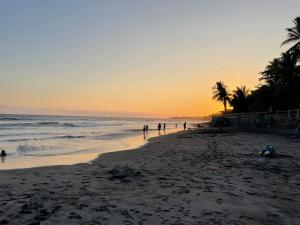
<point>121,141</point>
<point>192,177</point>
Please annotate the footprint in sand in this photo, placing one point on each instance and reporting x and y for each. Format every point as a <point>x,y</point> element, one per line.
<point>220,201</point>
<point>74,215</point>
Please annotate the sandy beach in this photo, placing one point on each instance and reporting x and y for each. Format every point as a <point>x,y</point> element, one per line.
<point>190,177</point>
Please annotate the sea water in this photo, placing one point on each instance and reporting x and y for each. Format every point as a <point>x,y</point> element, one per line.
<point>32,140</point>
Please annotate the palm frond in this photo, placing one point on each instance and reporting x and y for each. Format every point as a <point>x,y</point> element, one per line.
<point>288,41</point>
<point>293,35</point>
<point>293,32</point>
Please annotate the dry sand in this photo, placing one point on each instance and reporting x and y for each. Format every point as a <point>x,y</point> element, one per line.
<point>193,177</point>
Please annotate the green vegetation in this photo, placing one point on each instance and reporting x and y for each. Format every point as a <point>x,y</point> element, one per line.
<point>281,82</point>
<point>240,99</point>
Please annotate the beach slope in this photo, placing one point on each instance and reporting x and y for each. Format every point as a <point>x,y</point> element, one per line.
<point>193,177</point>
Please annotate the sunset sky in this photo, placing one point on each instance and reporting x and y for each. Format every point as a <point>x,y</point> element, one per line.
<point>143,58</point>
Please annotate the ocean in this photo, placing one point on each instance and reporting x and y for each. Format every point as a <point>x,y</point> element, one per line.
<point>39,140</point>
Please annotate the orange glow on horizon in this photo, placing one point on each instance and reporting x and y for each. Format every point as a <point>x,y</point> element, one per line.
<point>165,100</point>
<point>159,60</point>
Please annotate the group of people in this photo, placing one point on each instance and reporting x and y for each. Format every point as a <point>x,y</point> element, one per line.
<point>159,126</point>
<point>162,127</point>
<point>145,128</point>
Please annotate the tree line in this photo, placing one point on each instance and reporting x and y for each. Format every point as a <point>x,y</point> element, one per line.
<point>280,89</point>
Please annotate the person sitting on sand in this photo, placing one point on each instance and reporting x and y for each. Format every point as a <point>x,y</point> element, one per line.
<point>3,153</point>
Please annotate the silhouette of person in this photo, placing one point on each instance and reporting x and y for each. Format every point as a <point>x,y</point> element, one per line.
<point>175,125</point>
<point>159,127</point>
<point>147,127</point>
<point>3,153</point>
<point>184,125</point>
<point>144,128</point>
<point>164,126</point>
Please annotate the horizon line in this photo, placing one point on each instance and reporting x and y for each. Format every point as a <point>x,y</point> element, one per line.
<point>29,111</point>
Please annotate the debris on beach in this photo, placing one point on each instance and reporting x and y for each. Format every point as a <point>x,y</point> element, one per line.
<point>269,151</point>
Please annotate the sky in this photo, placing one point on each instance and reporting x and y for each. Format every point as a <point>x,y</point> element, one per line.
<point>155,58</point>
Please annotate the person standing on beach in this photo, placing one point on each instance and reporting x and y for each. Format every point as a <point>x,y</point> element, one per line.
<point>164,126</point>
<point>184,125</point>
<point>147,128</point>
<point>159,127</point>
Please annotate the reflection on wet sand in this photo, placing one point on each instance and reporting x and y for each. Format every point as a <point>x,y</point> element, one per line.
<point>124,143</point>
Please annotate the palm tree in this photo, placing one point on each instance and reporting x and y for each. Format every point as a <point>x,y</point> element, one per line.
<point>272,73</point>
<point>239,99</point>
<point>281,71</point>
<point>221,94</point>
<point>293,36</point>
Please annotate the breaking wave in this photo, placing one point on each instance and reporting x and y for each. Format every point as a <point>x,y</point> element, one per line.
<point>38,124</point>
<point>70,136</point>
<point>46,138</point>
<point>25,149</point>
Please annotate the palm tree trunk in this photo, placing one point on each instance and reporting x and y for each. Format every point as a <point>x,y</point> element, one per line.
<point>225,105</point>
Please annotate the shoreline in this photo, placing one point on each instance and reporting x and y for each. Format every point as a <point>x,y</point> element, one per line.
<point>99,156</point>
<point>124,143</point>
<point>189,177</point>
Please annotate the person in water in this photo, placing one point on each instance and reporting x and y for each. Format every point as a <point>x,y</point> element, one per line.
<point>184,125</point>
<point>3,153</point>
